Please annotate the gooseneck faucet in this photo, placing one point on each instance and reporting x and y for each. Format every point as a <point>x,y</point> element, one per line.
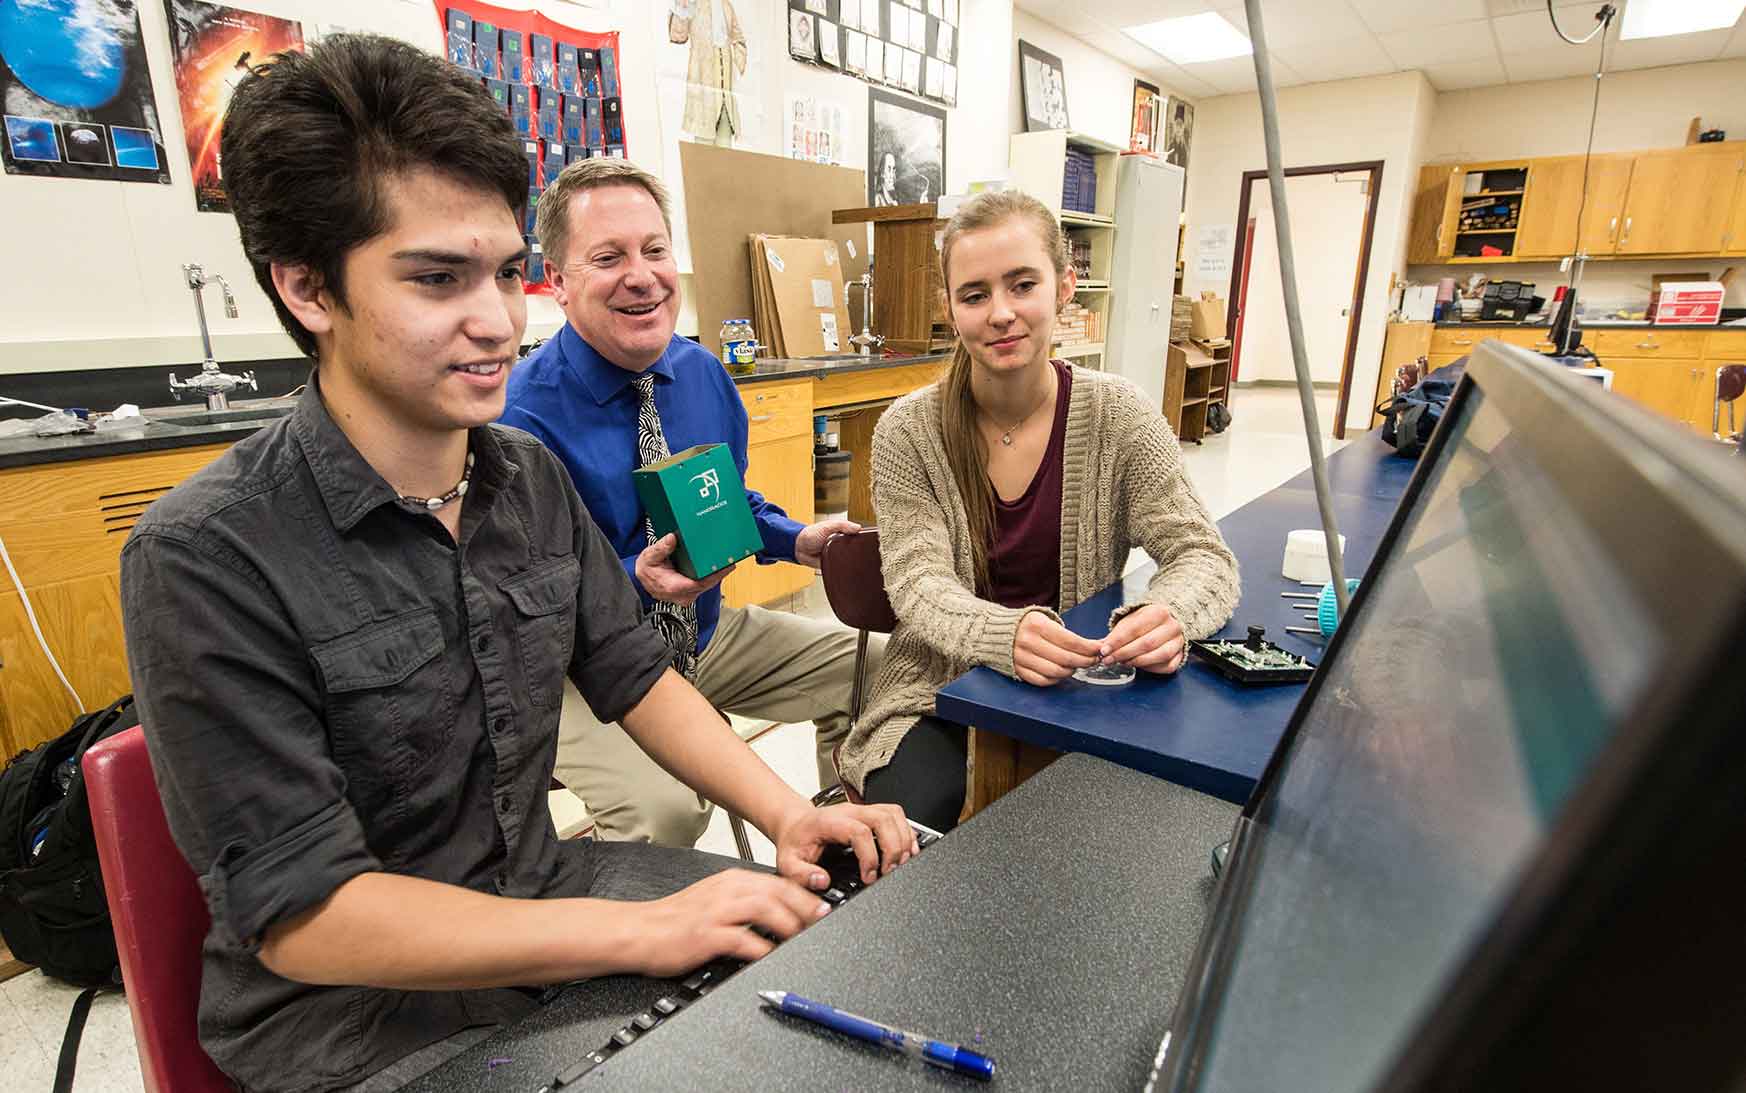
<point>866,341</point>
<point>212,383</point>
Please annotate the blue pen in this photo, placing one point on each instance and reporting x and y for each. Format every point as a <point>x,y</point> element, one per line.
<point>957,1059</point>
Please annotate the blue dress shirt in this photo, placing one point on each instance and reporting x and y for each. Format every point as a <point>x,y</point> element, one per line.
<point>584,409</point>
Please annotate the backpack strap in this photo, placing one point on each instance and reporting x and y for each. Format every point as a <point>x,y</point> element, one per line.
<point>69,1059</point>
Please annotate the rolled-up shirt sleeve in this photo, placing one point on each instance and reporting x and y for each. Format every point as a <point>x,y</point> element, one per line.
<point>230,705</point>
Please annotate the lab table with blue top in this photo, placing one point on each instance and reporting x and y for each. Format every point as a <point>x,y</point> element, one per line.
<point>1196,728</point>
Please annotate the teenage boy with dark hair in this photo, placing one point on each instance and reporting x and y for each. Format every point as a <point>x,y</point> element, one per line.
<point>349,635</point>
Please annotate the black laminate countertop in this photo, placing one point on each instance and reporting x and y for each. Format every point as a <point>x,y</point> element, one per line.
<point>158,432</point>
<point>1587,324</point>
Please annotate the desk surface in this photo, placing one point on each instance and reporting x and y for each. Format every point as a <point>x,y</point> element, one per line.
<point>1196,728</point>
<point>1056,924</point>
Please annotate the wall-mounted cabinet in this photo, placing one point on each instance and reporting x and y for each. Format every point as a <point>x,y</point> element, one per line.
<point>1682,202</point>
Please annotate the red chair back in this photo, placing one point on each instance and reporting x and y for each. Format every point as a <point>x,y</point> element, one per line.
<point>854,583</point>
<point>160,916</point>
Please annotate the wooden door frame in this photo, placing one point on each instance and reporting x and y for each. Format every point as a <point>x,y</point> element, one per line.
<point>1234,321</point>
<point>1356,313</point>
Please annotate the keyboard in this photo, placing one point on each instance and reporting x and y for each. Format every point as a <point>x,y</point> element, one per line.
<point>845,873</point>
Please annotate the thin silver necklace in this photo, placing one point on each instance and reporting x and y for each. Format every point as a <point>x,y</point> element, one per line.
<point>435,503</point>
<point>1006,432</point>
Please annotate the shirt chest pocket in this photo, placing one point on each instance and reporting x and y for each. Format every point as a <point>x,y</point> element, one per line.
<point>545,624</point>
<point>391,703</point>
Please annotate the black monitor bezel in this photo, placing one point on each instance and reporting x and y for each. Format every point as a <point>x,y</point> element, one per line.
<point>1486,1001</point>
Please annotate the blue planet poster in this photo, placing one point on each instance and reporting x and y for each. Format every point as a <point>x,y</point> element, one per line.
<point>75,92</point>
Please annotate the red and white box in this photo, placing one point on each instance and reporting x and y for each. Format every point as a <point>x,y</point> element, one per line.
<point>1687,303</point>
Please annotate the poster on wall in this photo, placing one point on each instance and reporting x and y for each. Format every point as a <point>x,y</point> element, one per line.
<point>906,150</point>
<point>814,129</point>
<point>1043,86</point>
<point>1178,129</point>
<point>213,48</point>
<point>76,95</point>
<point>1148,107</point>
<point>716,60</point>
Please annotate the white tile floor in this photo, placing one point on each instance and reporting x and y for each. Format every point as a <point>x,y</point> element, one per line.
<point>1264,446</point>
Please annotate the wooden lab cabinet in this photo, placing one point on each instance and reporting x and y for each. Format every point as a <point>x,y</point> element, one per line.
<point>779,466</point>
<point>1688,201</point>
<point>64,525</point>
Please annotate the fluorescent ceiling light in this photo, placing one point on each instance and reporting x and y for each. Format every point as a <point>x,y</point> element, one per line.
<point>1208,36</point>
<point>1660,18</point>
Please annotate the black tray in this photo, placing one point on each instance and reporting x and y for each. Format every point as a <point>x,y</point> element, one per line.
<point>1232,670</point>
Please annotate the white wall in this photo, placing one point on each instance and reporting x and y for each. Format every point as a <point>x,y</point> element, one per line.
<point>102,286</point>
<point>1100,88</point>
<point>1379,118</point>
<point>1644,108</point>
<point>1327,224</point>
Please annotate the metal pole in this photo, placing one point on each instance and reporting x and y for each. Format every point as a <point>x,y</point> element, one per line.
<point>1293,316</point>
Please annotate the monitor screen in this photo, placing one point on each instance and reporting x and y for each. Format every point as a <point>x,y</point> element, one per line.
<point>1501,642</point>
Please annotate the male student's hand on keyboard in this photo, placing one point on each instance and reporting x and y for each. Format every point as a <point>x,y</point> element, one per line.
<point>717,917</point>
<point>880,836</point>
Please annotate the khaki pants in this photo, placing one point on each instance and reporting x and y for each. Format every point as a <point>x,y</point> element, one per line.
<point>760,664</point>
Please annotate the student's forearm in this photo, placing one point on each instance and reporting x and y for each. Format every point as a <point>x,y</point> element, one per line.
<point>408,933</point>
<point>681,731</point>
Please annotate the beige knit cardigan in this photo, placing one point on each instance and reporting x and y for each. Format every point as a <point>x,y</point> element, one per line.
<point>1122,485</point>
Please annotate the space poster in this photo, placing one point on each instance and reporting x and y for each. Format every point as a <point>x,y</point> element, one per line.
<point>214,48</point>
<point>75,92</point>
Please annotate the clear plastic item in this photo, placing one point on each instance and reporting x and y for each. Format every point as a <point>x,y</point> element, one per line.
<point>61,423</point>
<point>1106,675</point>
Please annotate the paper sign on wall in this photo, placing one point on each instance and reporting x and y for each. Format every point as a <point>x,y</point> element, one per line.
<point>1212,250</point>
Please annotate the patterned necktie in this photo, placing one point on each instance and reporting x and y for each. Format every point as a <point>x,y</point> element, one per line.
<point>676,623</point>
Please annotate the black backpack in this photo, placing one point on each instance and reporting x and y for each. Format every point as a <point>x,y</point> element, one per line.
<point>1409,417</point>
<point>53,912</point>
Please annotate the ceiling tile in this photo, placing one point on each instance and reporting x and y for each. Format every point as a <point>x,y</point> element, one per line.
<point>1238,74</point>
<point>1461,75</point>
<point>1421,46</point>
<point>1294,22</point>
<point>1531,30</point>
<point>1678,49</point>
<point>1382,16</point>
<point>1317,62</point>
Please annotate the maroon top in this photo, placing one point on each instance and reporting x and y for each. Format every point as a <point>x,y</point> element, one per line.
<point>1024,564</point>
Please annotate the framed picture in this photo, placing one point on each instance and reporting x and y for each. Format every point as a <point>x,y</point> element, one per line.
<point>1148,106</point>
<point>1043,87</point>
<point>802,36</point>
<point>1178,129</point>
<point>906,150</point>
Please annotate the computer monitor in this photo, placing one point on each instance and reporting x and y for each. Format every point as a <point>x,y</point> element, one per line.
<point>1502,843</point>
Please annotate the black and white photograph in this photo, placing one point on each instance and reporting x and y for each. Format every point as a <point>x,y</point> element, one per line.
<point>802,36</point>
<point>828,40</point>
<point>1178,130</point>
<point>1043,87</point>
<point>906,150</point>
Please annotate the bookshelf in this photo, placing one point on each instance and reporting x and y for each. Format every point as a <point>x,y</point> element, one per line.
<point>1044,165</point>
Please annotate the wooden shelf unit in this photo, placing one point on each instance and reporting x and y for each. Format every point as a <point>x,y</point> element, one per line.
<point>1038,165</point>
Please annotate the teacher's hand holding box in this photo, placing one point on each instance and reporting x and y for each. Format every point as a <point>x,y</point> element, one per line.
<point>697,495</point>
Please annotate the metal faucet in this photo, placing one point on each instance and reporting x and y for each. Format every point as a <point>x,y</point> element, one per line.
<point>212,383</point>
<point>866,341</point>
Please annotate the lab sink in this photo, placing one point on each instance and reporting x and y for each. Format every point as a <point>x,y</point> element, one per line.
<point>220,417</point>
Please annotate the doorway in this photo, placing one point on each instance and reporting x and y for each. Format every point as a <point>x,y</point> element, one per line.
<point>1333,222</point>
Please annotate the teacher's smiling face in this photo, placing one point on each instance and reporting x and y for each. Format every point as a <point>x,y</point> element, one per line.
<point>619,283</point>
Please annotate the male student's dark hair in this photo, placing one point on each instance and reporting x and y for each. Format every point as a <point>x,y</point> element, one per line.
<point>309,138</point>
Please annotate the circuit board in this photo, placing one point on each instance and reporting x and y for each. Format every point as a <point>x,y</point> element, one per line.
<point>1256,660</point>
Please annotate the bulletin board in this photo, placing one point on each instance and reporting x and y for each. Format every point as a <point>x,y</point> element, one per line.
<point>560,87</point>
<point>908,44</point>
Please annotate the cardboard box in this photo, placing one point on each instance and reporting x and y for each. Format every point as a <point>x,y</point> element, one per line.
<point>798,296</point>
<point>1207,320</point>
<point>1687,303</point>
<point>698,494</point>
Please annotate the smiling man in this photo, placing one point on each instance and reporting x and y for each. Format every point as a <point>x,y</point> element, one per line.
<point>614,389</point>
<point>349,636</point>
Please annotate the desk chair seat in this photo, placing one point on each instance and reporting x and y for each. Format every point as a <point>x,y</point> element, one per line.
<point>160,916</point>
<point>854,584</point>
<point>1730,385</point>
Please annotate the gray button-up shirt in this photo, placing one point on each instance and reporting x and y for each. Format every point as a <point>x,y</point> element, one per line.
<point>331,685</point>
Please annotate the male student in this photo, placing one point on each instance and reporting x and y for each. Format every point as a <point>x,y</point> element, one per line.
<point>349,634</point>
<point>613,389</point>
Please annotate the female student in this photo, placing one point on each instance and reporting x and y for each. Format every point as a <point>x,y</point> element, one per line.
<point>1012,490</point>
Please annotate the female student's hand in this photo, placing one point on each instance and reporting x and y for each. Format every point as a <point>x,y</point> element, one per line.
<point>1150,639</point>
<point>1044,652</point>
